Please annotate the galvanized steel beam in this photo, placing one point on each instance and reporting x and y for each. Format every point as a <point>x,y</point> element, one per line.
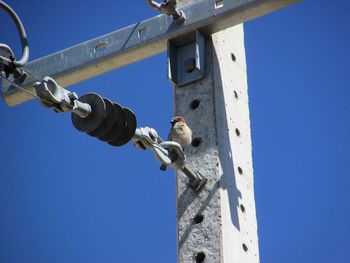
<point>137,42</point>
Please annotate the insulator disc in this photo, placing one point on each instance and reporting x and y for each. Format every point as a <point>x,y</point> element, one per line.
<point>119,125</point>
<point>95,118</point>
<point>129,131</point>
<point>107,123</point>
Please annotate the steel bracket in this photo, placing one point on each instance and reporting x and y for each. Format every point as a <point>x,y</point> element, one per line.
<point>186,59</point>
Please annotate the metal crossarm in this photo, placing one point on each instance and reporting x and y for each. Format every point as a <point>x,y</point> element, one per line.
<point>137,42</point>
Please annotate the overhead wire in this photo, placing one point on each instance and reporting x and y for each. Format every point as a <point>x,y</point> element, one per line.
<point>21,32</point>
<point>25,54</point>
<point>15,67</point>
<point>20,88</point>
<point>25,49</point>
<point>23,89</point>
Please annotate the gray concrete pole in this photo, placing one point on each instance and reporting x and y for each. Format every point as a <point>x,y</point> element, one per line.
<point>219,223</point>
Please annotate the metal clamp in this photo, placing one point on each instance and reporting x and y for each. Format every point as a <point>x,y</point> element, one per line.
<point>168,7</point>
<point>59,99</point>
<point>167,152</point>
<point>7,65</point>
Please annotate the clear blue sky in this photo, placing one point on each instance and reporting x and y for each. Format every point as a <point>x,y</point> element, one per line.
<point>67,197</point>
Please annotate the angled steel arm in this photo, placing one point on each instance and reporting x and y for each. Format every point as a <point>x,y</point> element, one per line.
<point>137,42</point>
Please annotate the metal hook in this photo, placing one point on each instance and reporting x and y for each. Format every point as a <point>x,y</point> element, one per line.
<point>168,7</point>
<point>154,4</point>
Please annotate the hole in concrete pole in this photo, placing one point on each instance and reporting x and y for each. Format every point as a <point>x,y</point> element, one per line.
<point>245,248</point>
<point>238,133</point>
<point>198,219</point>
<point>196,142</point>
<point>200,257</point>
<point>236,95</point>
<point>233,57</point>
<point>240,170</point>
<point>194,104</point>
<point>242,208</point>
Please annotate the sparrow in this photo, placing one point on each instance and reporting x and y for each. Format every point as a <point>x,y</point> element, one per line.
<point>179,133</point>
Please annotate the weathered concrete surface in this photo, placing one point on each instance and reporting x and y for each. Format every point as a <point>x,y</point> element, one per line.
<point>228,232</point>
<point>234,141</point>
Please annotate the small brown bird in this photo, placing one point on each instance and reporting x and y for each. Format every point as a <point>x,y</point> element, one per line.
<point>179,133</point>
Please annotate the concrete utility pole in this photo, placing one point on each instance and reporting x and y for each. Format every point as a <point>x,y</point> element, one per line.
<point>218,224</point>
<point>207,65</point>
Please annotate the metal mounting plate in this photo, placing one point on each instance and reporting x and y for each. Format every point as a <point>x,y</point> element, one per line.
<point>186,62</point>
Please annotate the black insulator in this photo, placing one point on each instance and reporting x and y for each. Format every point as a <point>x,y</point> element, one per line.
<point>95,118</point>
<point>119,125</point>
<point>129,130</point>
<point>107,123</point>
